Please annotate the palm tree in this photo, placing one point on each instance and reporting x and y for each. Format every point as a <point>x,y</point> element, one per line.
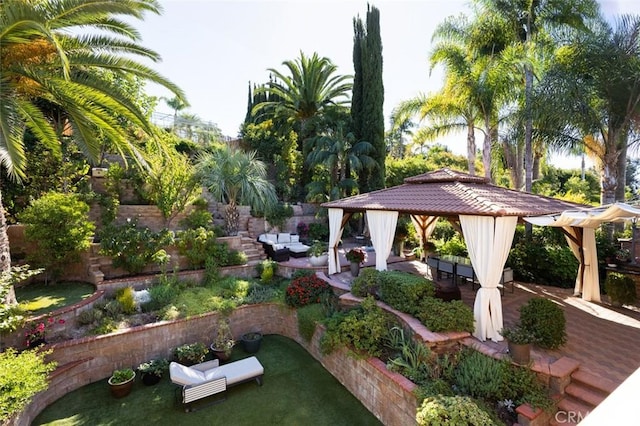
<point>597,77</point>
<point>477,79</point>
<point>338,151</point>
<point>312,88</point>
<point>55,55</point>
<point>446,113</point>
<point>530,18</point>
<point>236,177</point>
<point>177,104</point>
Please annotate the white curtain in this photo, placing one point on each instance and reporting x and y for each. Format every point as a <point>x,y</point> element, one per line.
<point>424,226</point>
<point>382,227</point>
<point>335,233</point>
<point>488,242</point>
<point>587,281</point>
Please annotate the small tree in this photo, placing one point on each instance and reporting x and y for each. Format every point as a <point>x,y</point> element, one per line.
<point>23,375</point>
<point>59,225</point>
<point>235,176</point>
<point>171,183</point>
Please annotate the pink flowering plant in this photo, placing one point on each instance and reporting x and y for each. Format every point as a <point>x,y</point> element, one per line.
<point>36,331</point>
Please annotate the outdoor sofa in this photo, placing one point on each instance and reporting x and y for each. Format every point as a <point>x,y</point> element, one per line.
<point>274,242</point>
<point>209,378</point>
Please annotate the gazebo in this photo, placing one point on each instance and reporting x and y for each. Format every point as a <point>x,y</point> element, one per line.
<point>487,214</point>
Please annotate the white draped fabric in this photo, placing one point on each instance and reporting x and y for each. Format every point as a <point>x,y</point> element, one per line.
<point>488,242</point>
<point>424,226</point>
<point>382,227</point>
<point>588,218</point>
<point>587,281</point>
<point>335,233</point>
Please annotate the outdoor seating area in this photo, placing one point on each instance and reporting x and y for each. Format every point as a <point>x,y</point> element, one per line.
<point>460,270</point>
<point>280,246</point>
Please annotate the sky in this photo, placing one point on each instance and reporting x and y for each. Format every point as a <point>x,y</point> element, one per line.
<point>212,49</point>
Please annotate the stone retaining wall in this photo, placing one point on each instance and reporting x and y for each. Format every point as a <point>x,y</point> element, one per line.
<point>80,362</point>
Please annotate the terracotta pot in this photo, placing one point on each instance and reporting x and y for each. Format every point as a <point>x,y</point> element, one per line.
<point>520,353</point>
<point>123,389</point>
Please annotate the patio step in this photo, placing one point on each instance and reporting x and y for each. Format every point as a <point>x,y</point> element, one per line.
<point>585,392</point>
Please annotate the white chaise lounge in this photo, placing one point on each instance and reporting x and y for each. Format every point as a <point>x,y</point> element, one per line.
<point>209,378</point>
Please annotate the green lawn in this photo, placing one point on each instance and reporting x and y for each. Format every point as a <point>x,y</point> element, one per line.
<point>38,298</point>
<point>296,390</point>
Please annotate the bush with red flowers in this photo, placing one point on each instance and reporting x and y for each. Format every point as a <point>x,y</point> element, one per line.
<point>305,290</point>
<point>36,331</point>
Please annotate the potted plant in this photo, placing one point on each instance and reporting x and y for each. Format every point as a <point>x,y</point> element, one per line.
<point>519,340</point>
<point>318,254</point>
<point>355,256</point>
<point>121,382</point>
<point>251,342</point>
<point>152,370</point>
<point>223,342</point>
<point>191,353</point>
<point>621,289</point>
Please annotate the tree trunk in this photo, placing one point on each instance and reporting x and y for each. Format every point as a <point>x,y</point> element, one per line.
<point>232,218</point>
<point>486,149</point>
<point>5,255</point>
<point>528,128</point>
<point>513,157</point>
<point>471,149</point>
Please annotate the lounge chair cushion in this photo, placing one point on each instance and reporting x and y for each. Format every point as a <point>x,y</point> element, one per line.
<point>295,238</point>
<point>272,238</point>
<point>184,375</point>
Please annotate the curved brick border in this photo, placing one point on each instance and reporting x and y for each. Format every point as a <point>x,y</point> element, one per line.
<point>82,361</point>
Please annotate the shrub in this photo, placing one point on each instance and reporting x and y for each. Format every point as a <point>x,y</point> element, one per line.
<point>133,247</point>
<point>439,315</point>
<point>308,316</point>
<point>90,316</point>
<point>364,329</point>
<point>483,377</point>
<point>621,288</point>
<point>195,244</point>
<point>305,290</point>
<point>480,376</point>
<point>191,353</point>
<point>267,270</point>
<point>162,294</point>
<point>404,291</point>
<point>199,217</point>
<point>22,376</point>
<point>451,410</point>
<point>413,359</point>
<point>260,294</point>
<point>319,231</point>
<point>278,215</point>
<point>125,298</point>
<point>454,246</point>
<point>367,283</point>
<point>59,225</point>
<point>545,320</point>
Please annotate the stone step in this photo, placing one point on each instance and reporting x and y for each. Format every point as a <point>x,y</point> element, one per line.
<point>571,408</point>
<point>592,381</point>
<point>588,395</point>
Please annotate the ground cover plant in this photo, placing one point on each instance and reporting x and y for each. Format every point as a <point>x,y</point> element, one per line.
<point>286,397</point>
<point>39,298</point>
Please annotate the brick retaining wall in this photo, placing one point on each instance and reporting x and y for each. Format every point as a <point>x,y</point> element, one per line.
<point>80,362</point>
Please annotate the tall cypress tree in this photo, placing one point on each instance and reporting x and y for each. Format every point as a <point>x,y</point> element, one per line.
<point>356,97</point>
<point>369,114</point>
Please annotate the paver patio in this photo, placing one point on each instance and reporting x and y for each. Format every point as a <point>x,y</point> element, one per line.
<point>605,340</point>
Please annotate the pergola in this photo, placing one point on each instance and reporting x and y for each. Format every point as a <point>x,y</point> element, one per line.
<point>487,214</point>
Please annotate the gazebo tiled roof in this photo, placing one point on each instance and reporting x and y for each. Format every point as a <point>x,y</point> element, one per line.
<point>447,193</point>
